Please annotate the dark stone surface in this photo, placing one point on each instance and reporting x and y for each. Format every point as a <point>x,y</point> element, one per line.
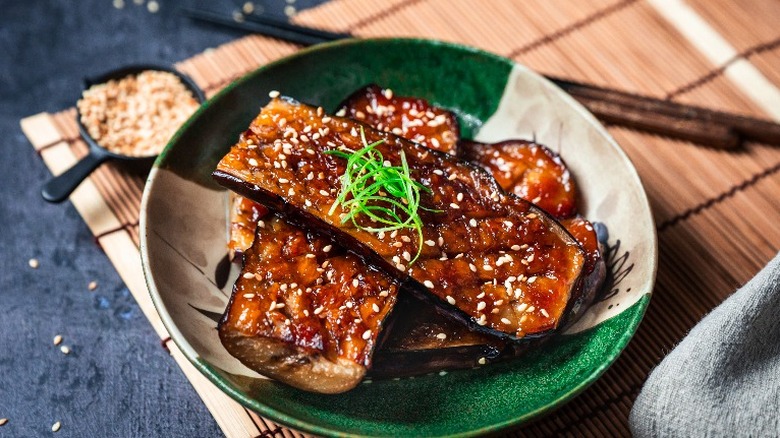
<point>117,381</point>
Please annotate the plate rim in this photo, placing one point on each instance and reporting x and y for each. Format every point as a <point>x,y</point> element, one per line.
<point>305,425</point>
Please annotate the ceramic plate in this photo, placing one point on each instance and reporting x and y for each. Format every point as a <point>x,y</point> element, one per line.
<point>184,232</point>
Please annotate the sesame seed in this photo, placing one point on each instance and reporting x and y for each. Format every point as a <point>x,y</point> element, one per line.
<point>273,94</point>
<point>3,421</point>
<point>310,256</point>
<point>499,262</point>
<point>65,349</point>
<point>249,295</point>
<point>56,426</point>
<point>327,119</point>
<point>375,308</point>
<point>406,239</point>
<point>324,193</point>
<point>305,312</point>
<point>279,305</point>
<point>450,300</point>
<point>384,293</point>
<point>441,336</point>
<point>272,306</point>
<point>522,307</point>
<point>252,162</point>
<point>407,256</point>
<point>291,192</point>
<point>400,267</point>
<point>487,267</point>
<point>454,205</point>
<point>472,267</point>
<point>438,172</point>
<point>428,284</point>
<point>33,263</point>
<point>531,216</point>
<point>473,222</point>
<point>398,244</point>
<point>481,305</point>
<point>388,93</point>
<point>544,313</point>
<point>459,197</point>
<point>531,279</point>
<point>57,339</point>
<point>482,361</point>
<point>283,180</point>
<point>531,309</point>
<point>355,282</point>
<point>440,241</point>
<point>442,373</point>
<point>430,242</point>
<point>367,335</point>
<point>506,321</point>
<point>452,177</point>
<point>318,310</point>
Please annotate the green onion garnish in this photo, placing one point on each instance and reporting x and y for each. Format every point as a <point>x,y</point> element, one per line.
<point>387,195</point>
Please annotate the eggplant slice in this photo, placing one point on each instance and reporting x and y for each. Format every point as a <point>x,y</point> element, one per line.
<point>529,170</point>
<point>305,312</point>
<point>412,118</point>
<point>495,261</point>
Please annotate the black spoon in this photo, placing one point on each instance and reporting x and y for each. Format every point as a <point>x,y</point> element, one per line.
<point>60,187</point>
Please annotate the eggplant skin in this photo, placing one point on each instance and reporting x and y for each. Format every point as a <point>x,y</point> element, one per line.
<point>298,367</point>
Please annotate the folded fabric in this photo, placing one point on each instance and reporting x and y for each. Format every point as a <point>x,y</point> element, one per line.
<point>723,379</point>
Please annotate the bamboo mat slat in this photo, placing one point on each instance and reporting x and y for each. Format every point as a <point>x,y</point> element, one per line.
<point>716,211</point>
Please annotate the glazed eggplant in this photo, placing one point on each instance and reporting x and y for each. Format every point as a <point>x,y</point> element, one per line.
<point>529,170</point>
<point>305,312</point>
<point>412,118</point>
<point>496,262</point>
<point>244,215</point>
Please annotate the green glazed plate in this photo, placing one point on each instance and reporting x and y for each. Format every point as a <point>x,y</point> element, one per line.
<point>184,232</point>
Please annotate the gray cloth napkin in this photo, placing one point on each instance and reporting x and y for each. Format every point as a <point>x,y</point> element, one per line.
<point>723,379</point>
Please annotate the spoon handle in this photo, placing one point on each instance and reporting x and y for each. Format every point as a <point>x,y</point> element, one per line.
<point>61,186</point>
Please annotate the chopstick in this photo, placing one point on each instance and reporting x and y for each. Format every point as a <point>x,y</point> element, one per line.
<point>687,122</point>
<point>290,33</point>
<point>707,127</point>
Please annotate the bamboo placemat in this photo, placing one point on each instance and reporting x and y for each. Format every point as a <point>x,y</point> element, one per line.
<point>716,211</point>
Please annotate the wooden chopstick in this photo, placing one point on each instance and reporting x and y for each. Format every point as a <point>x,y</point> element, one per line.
<point>685,122</point>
